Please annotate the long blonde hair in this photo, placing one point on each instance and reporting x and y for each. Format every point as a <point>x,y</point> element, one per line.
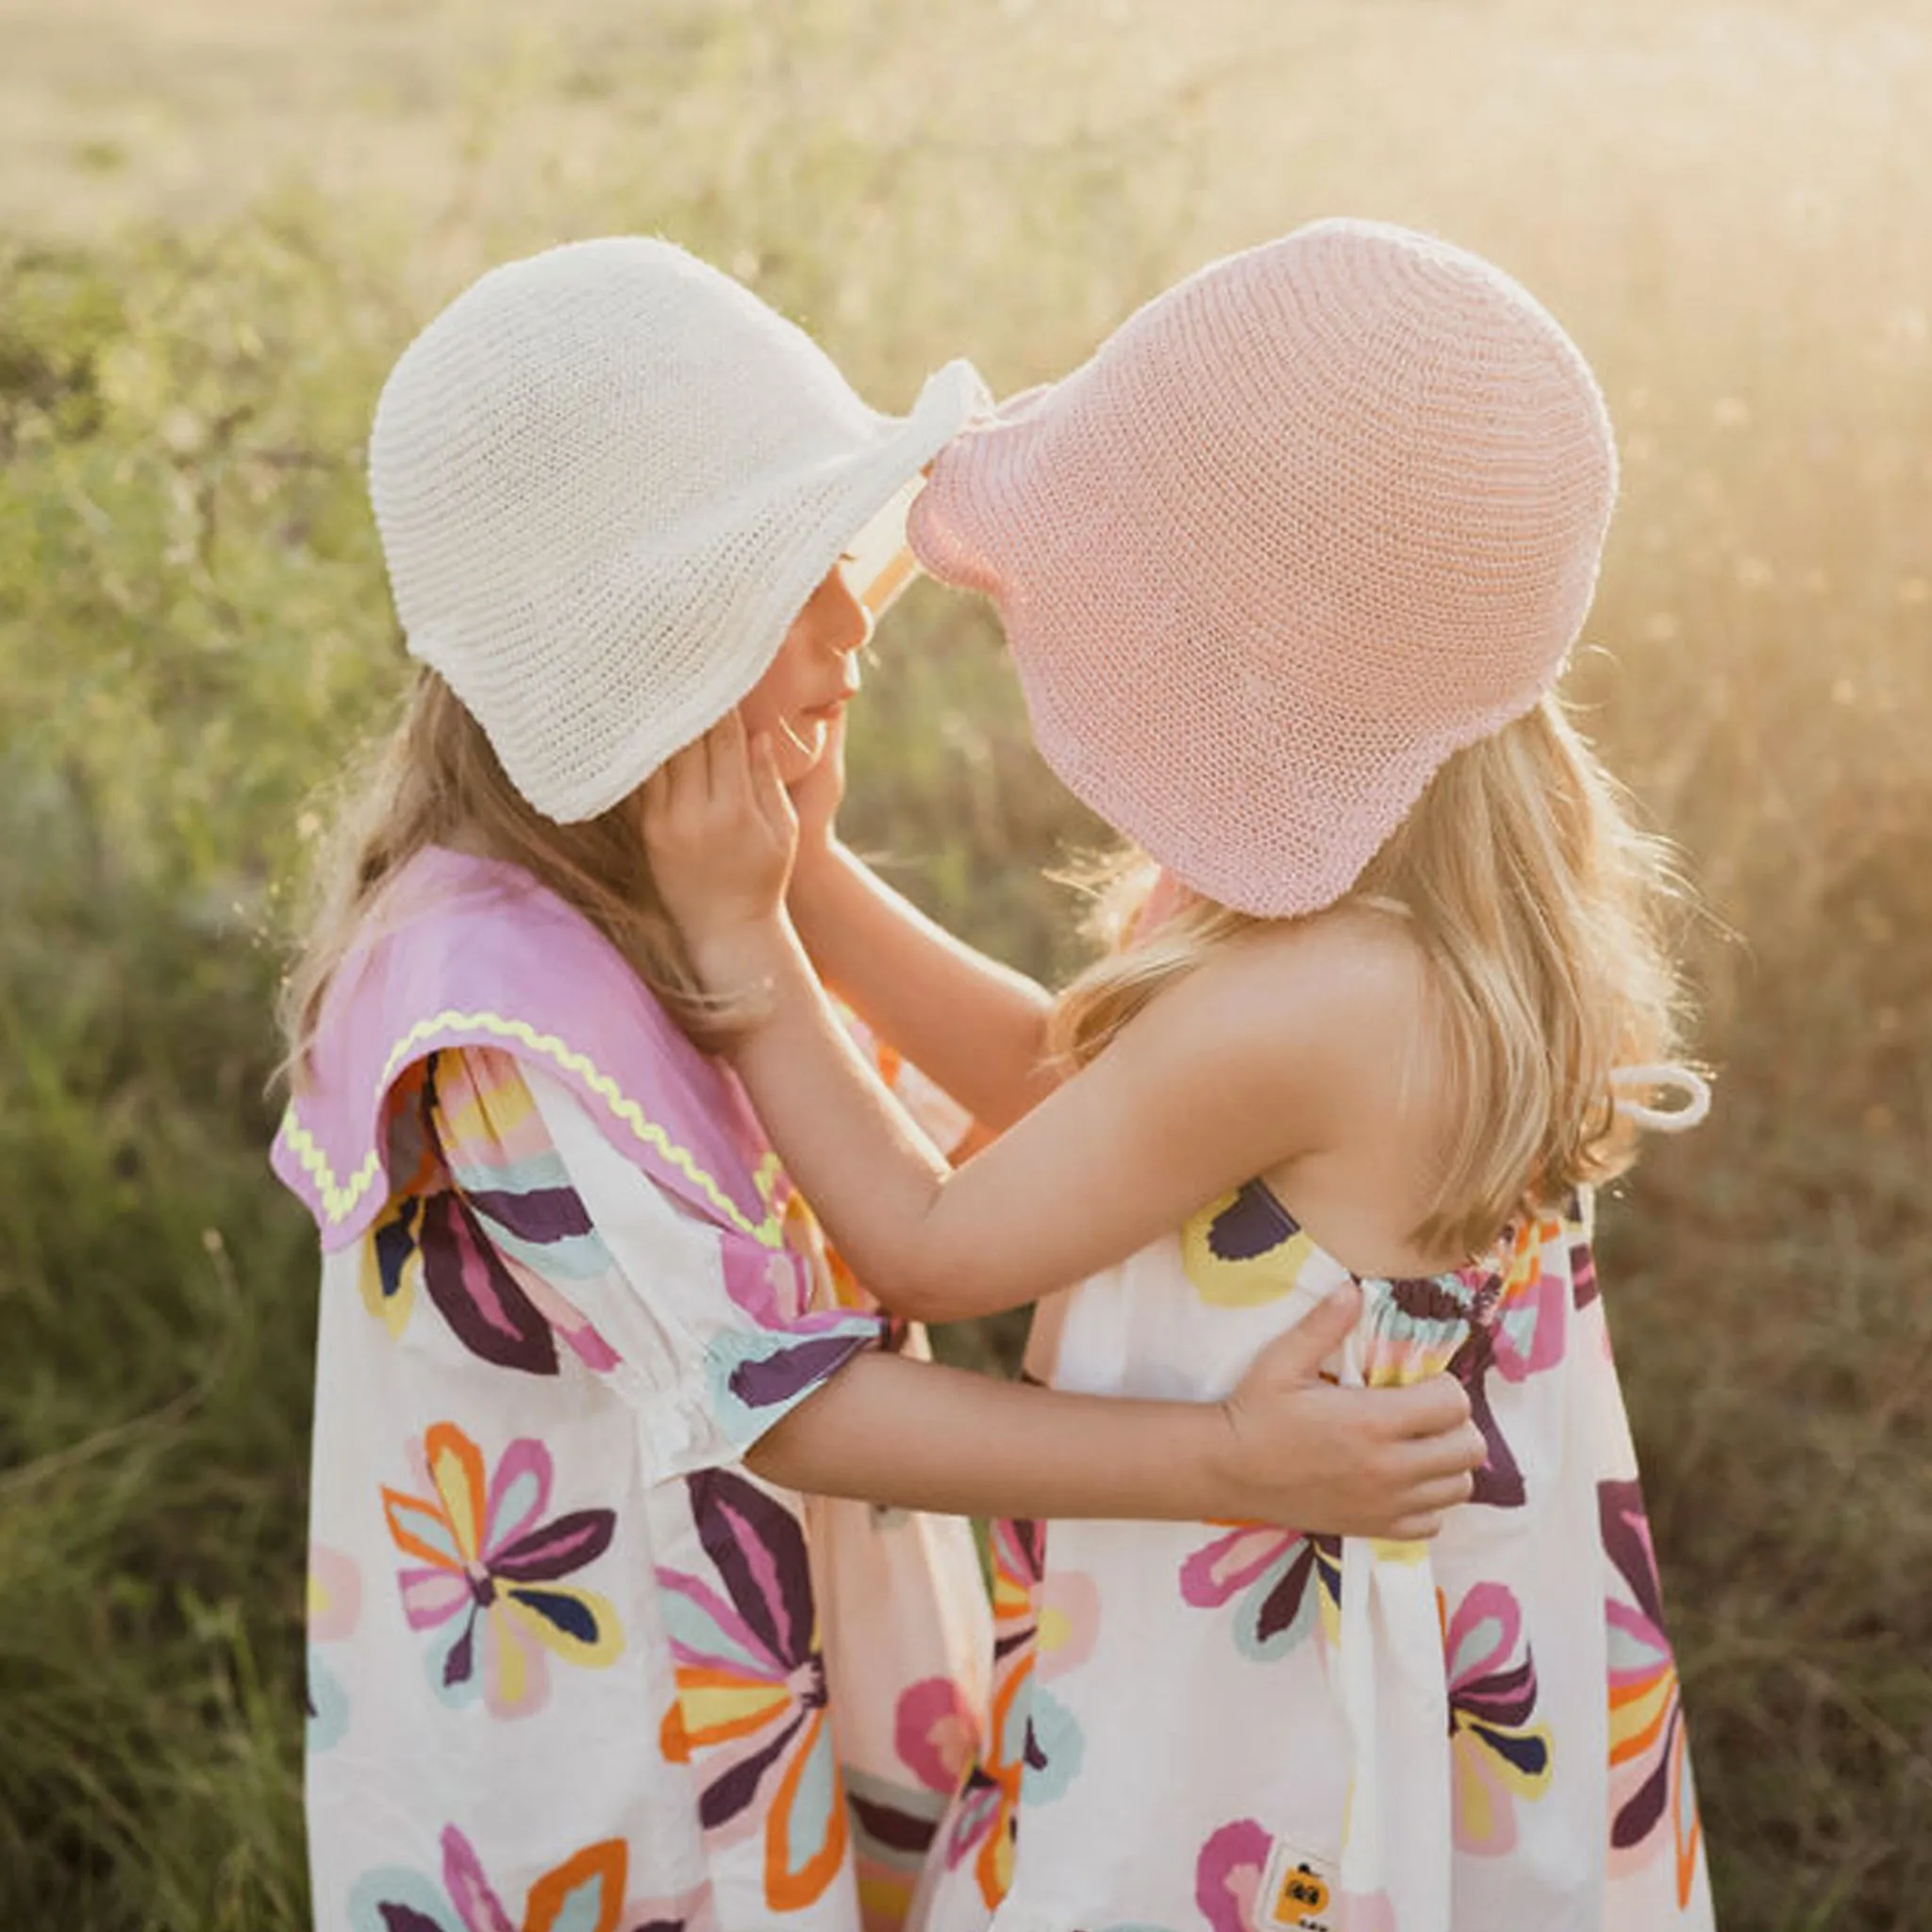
<point>1541,912</point>
<point>438,782</point>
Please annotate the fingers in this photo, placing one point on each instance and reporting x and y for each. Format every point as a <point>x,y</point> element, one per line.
<point>1433,1407</point>
<point>676,782</point>
<point>1298,1354</point>
<point>1421,1527</point>
<point>1457,1452</point>
<point>1442,1492</point>
<point>726,754</point>
<point>768,791</point>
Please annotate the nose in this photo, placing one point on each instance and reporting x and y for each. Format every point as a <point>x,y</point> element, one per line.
<point>845,625</point>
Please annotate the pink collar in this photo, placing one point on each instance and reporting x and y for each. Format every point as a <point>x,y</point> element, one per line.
<point>468,952</point>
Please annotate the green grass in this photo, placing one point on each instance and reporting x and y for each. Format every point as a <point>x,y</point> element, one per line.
<point>193,632</point>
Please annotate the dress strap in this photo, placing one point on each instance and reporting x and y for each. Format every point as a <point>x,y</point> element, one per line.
<point>1672,1076</point>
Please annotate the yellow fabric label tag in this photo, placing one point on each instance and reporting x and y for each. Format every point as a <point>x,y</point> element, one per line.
<point>1298,1890</point>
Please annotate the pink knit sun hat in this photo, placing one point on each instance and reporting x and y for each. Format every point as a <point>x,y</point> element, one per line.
<point>1323,513</point>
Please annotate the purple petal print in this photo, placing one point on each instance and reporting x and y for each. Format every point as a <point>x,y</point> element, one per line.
<point>1283,1603</point>
<point>398,1917</point>
<point>1499,1481</point>
<point>1645,1806</point>
<point>1506,1698</point>
<point>570,1614</point>
<point>790,1370</point>
<point>395,1242</point>
<point>1529,1754</point>
<point>1626,1541</point>
<point>544,1214</point>
<point>887,1824</point>
<point>485,1308</point>
<point>1250,1224</point>
<point>1584,1288</point>
<point>461,1660</point>
<point>556,1549</point>
<point>733,1791</point>
<point>1427,1299</point>
<point>1019,1548</point>
<point>759,1550</point>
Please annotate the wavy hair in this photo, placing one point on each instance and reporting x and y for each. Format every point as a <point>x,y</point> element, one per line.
<point>1543,915</point>
<point>438,782</point>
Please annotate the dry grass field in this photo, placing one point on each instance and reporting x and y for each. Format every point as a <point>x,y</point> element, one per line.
<point>218,222</point>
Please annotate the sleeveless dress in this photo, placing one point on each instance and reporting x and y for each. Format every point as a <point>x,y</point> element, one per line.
<point>572,1665</point>
<point>1234,1727</point>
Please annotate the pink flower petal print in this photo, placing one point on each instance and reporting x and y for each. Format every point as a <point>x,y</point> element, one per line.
<point>519,1493</point>
<point>1228,1875</point>
<point>335,1595</point>
<point>934,1733</point>
<point>716,1637</point>
<point>516,1673</point>
<point>1481,1634</point>
<point>1364,1912</point>
<point>469,1890</point>
<point>433,1596</point>
<point>759,1550</point>
<point>1218,1571</point>
<point>1067,1606</point>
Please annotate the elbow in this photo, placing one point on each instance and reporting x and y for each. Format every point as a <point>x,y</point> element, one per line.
<point>917,1289</point>
<point>934,1292</point>
<point>916,1299</point>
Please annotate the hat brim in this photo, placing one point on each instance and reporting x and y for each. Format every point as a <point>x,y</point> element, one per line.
<point>858,507</point>
<point>879,562</point>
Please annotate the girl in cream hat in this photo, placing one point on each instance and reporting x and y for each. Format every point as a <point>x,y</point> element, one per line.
<point>581,1652</point>
<point>1290,570</point>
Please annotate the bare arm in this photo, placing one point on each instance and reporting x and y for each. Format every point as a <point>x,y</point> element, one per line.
<point>976,1028</point>
<point>1224,1077</point>
<point>1285,1447</point>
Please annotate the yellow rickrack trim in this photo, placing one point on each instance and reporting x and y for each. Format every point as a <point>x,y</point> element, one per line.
<point>339,1199</point>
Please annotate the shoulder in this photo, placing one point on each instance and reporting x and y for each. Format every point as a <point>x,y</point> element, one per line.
<point>1301,989</point>
<point>1289,1026</point>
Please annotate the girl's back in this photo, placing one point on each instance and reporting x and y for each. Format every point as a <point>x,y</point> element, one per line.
<point>1182,1707</point>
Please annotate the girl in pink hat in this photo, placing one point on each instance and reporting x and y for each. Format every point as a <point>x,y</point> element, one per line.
<point>605,1629</point>
<point>1289,569</point>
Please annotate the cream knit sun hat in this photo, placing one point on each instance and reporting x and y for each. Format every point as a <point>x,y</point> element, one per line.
<point>1323,514</point>
<point>608,478</point>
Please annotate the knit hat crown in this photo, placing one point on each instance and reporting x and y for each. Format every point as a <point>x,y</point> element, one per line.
<point>1306,525</point>
<point>606,479</point>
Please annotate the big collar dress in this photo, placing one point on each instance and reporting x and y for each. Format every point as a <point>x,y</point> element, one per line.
<point>574,1668</point>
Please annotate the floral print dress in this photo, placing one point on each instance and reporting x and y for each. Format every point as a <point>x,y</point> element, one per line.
<point>573,1668</point>
<point>1236,1727</point>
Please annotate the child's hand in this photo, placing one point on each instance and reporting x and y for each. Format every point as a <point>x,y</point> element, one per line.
<point>720,835</point>
<point>1381,1463</point>
<point>817,796</point>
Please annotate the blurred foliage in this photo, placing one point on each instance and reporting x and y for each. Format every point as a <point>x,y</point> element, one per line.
<point>193,635</point>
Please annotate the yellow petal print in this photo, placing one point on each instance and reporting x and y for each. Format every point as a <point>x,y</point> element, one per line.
<point>1245,1249</point>
<point>456,1468</point>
